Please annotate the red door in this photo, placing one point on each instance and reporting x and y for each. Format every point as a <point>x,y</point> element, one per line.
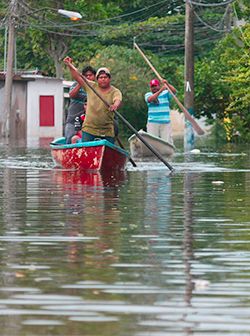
<point>47,111</point>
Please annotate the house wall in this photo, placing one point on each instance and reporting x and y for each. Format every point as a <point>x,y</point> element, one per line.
<point>1,102</point>
<point>18,110</point>
<point>178,123</point>
<point>36,89</point>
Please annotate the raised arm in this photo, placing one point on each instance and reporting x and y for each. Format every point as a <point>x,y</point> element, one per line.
<point>155,95</point>
<point>73,70</point>
<point>75,91</point>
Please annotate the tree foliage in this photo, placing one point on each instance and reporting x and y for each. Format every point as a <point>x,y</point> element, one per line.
<point>223,81</point>
<point>131,75</point>
<point>105,35</point>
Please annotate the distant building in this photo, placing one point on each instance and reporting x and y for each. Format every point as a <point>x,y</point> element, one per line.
<point>178,123</point>
<point>37,103</point>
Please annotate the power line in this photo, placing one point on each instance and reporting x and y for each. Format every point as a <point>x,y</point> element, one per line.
<point>33,13</point>
<point>243,36</point>
<point>32,19</point>
<point>202,4</point>
<point>218,25</point>
<point>51,26</point>
<point>208,25</point>
<point>23,3</point>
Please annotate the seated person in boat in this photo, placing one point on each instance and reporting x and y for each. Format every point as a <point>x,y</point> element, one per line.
<point>77,98</point>
<point>99,120</point>
<point>159,123</point>
<point>78,125</point>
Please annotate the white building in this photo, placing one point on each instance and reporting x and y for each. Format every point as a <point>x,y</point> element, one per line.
<point>37,103</point>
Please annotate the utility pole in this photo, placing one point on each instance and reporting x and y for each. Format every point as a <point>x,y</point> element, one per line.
<point>189,74</point>
<point>8,120</point>
<point>8,117</point>
<point>228,18</point>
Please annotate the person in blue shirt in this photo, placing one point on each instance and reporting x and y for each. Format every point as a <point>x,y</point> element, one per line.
<point>159,123</point>
<point>76,108</point>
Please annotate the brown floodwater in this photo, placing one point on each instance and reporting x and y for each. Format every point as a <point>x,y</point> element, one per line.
<point>139,253</point>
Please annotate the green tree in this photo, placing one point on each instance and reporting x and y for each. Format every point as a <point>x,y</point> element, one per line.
<point>44,37</point>
<point>238,78</point>
<point>131,75</point>
<point>223,81</point>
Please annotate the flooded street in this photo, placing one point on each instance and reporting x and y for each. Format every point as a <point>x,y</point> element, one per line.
<point>141,253</point>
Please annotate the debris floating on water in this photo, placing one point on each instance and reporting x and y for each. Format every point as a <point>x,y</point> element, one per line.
<point>218,182</point>
<point>195,151</point>
<point>200,284</point>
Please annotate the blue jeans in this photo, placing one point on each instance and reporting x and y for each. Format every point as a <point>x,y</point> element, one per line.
<point>90,137</point>
<point>69,132</point>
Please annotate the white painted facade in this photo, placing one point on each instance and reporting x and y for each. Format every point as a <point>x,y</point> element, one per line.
<point>28,90</point>
<point>43,86</point>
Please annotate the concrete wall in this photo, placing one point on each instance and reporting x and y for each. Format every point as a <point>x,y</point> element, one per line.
<point>18,110</point>
<point>178,123</point>
<point>43,87</point>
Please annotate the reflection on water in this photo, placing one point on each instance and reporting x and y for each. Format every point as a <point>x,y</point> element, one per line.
<point>75,178</point>
<point>137,253</point>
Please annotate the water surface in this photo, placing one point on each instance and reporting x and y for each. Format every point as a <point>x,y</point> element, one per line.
<point>139,253</point>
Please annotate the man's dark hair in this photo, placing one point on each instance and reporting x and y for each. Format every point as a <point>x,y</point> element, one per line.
<point>88,68</point>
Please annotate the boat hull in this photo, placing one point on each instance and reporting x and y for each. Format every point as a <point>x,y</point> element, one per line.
<point>100,155</point>
<point>138,149</point>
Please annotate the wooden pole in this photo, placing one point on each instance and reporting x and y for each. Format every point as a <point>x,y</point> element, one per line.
<point>8,120</point>
<point>121,145</point>
<point>197,128</point>
<point>189,75</point>
<point>152,149</point>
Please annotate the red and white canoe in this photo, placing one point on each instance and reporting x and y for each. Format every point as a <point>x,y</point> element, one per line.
<point>99,155</point>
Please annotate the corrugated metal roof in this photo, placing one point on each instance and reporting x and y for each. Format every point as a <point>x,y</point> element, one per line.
<point>27,76</point>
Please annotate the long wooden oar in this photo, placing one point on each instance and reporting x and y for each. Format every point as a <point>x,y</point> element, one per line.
<point>188,116</point>
<point>152,149</point>
<point>106,103</point>
<point>121,145</point>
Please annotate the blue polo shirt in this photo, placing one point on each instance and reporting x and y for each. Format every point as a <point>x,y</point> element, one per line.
<point>159,111</point>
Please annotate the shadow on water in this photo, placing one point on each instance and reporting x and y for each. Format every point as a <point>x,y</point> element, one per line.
<point>137,253</point>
